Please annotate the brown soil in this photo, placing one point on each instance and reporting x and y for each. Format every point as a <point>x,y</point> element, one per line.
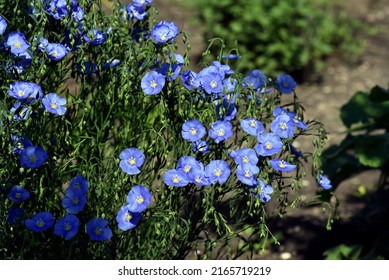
<point>303,230</point>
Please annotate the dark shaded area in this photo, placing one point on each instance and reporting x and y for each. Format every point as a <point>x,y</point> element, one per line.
<point>368,229</point>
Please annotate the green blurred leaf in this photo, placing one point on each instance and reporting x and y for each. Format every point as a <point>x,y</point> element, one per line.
<point>343,252</point>
<point>372,150</point>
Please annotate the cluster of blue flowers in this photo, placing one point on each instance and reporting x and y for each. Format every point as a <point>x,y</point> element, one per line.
<point>216,82</point>
<point>73,202</point>
<point>139,197</point>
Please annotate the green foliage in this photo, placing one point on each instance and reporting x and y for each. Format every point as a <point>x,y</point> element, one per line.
<point>107,112</point>
<point>366,145</point>
<point>290,36</point>
<point>343,252</point>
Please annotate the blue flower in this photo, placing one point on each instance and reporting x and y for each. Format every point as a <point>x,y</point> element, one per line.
<point>87,68</point>
<point>127,219</point>
<point>198,177</point>
<point>56,51</point>
<point>252,126</point>
<point>40,222</point>
<point>131,159</point>
<point>77,13</point>
<point>270,144</point>
<point>229,85</point>
<point>95,37</point>
<point>164,32</point>
<point>188,163</point>
<point>67,226</point>
<point>169,71</point>
<point>245,173</point>
<point>25,91</point>
<point>32,157</point>
<point>254,80</point>
<point>175,178</point>
<point>220,131</point>
<point>3,25</point>
<point>110,64</point>
<point>285,83</point>
<point>200,146</point>
<point>20,143</point>
<point>17,42</point>
<point>57,9</point>
<point>211,79</point>
<point>193,130</point>
<point>138,199</point>
<point>299,123</point>
<point>283,126</point>
<point>226,69</point>
<point>324,182</point>
<point>218,171</point>
<point>15,215</point>
<point>226,111</point>
<point>98,230</point>
<point>152,83</point>
<point>136,11</point>
<point>22,112</point>
<point>244,156</point>
<point>74,200</point>
<point>189,79</point>
<point>281,165</point>
<point>18,194</point>
<point>263,191</point>
<point>79,182</point>
<point>54,104</point>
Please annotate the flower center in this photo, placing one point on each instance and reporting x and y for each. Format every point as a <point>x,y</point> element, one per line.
<point>53,105</point>
<point>213,84</point>
<point>153,84</point>
<point>20,93</point>
<point>253,123</point>
<point>75,200</point>
<point>162,37</point>
<point>98,231</point>
<point>268,145</point>
<point>17,44</point>
<point>187,168</point>
<point>40,223</point>
<point>67,226</point>
<point>176,179</point>
<point>221,132</point>
<point>132,161</point>
<point>193,131</point>
<point>217,172</point>
<point>18,195</point>
<point>247,173</point>
<point>139,199</point>
<point>198,179</point>
<point>33,158</point>
<point>245,159</point>
<point>283,126</point>
<point>282,164</point>
<point>128,217</point>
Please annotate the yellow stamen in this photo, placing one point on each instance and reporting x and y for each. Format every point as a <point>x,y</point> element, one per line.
<point>176,179</point>
<point>217,172</point>
<point>139,199</point>
<point>213,84</point>
<point>17,44</point>
<point>153,84</point>
<point>253,123</point>
<point>132,161</point>
<point>221,132</point>
<point>193,131</point>
<point>268,145</point>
